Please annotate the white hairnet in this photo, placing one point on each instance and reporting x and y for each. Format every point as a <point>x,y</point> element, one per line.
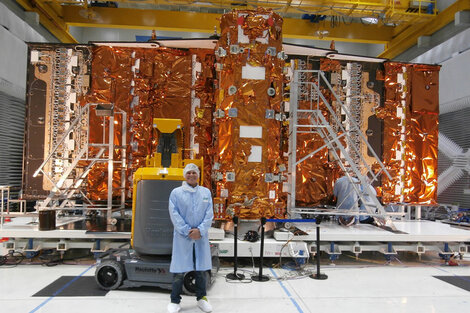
<point>191,167</point>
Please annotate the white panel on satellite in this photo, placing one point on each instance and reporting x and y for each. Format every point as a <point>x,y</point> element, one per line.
<point>256,154</point>
<point>253,72</point>
<point>251,132</point>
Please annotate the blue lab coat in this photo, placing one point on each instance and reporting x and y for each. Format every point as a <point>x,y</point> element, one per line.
<point>367,198</point>
<point>190,208</point>
<point>346,197</point>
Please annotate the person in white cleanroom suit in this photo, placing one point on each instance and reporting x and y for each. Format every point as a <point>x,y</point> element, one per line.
<point>191,212</point>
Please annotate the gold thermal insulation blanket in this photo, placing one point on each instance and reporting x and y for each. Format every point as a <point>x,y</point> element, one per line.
<point>145,83</point>
<point>204,95</point>
<point>248,166</point>
<point>410,116</point>
<point>315,175</point>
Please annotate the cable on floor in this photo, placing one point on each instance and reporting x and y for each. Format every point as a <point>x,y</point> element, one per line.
<point>11,259</point>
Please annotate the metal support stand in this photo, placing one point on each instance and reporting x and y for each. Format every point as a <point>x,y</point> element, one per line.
<point>234,275</point>
<point>260,277</point>
<point>109,206</point>
<point>318,275</point>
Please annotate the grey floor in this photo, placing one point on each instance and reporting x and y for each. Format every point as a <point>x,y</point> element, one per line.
<point>367,284</point>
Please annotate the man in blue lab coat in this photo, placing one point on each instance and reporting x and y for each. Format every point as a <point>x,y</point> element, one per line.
<point>191,212</point>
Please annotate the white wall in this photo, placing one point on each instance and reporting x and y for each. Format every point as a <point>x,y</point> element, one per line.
<point>441,5</point>
<point>454,81</point>
<point>454,57</point>
<point>14,32</point>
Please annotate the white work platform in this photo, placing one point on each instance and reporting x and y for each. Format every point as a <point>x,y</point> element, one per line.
<point>423,231</point>
<point>26,227</point>
<point>415,236</point>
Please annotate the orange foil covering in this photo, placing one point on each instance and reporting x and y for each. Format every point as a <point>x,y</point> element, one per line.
<point>412,90</point>
<point>424,125</point>
<point>204,90</point>
<point>245,185</point>
<point>315,176</point>
<point>145,83</point>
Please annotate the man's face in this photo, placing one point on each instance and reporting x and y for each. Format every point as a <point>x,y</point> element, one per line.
<point>192,178</point>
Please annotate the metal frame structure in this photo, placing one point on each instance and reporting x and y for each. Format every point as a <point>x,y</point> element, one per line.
<point>60,195</point>
<point>420,237</point>
<point>411,236</point>
<point>5,205</point>
<point>303,89</point>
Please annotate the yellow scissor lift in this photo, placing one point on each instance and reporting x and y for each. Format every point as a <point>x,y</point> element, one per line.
<point>148,262</point>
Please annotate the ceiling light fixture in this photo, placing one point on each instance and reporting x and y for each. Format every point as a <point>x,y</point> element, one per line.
<point>322,33</point>
<point>368,20</point>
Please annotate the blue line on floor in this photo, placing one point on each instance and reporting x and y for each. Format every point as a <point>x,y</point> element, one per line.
<point>287,292</point>
<point>61,289</point>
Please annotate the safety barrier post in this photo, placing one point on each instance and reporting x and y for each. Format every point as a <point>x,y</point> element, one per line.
<point>260,277</point>
<point>235,275</point>
<point>318,275</point>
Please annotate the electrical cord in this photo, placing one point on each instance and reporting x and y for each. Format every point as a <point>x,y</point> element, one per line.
<point>12,259</point>
<point>54,258</point>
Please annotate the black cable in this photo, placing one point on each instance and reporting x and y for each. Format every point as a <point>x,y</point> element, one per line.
<point>344,20</point>
<point>53,258</point>
<point>13,259</point>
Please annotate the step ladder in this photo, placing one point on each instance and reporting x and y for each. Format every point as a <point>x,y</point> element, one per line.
<point>337,138</point>
<point>66,185</point>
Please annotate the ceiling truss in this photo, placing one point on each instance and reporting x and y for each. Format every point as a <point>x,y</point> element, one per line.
<point>398,25</point>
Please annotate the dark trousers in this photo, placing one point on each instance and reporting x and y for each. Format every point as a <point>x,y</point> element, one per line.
<point>177,287</point>
<point>178,280</point>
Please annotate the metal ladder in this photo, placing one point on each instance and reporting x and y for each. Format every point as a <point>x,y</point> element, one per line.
<point>5,203</point>
<point>59,192</point>
<point>309,90</point>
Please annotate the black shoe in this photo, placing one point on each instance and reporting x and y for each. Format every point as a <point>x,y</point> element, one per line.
<point>346,220</point>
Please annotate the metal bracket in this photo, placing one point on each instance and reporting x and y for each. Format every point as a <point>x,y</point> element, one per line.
<point>234,49</point>
<point>219,113</point>
<point>271,51</point>
<point>282,55</point>
<point>269,114</point>
<point>280,117</point>
<point>268,177</point>
<point>271,92</point>
<point>220,52</point>
<point>232,90</point>
<point>272,178</point>
<point>230,176</point>
<point>219,176</point>
<point>232,112</point>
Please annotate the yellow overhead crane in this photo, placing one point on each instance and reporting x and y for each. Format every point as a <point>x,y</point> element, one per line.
<point>400,22</point>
